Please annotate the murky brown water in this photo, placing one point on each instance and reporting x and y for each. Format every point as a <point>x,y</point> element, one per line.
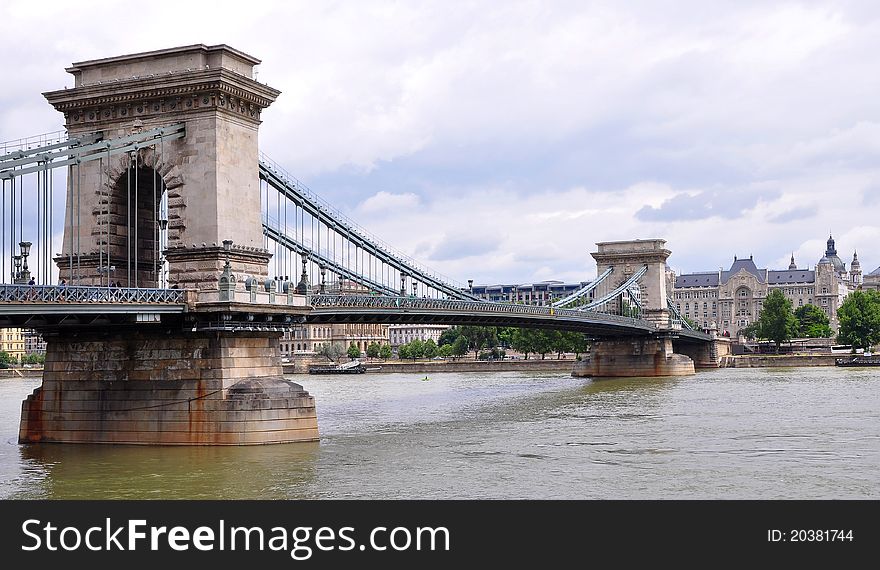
<point>728,434</point>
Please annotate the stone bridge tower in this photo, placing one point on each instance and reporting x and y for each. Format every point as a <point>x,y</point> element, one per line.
<point>650,355</point>
<point>626,258</point>
<point>209,375</point>
<point>204,187</point>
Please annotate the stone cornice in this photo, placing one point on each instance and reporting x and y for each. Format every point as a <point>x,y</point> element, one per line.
<point>160,86</point>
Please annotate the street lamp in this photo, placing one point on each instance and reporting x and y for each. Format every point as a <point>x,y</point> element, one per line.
<point>16,261</point>
<point>25,252</point>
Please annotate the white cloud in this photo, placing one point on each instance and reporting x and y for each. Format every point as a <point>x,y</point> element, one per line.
<point>386,203</point>
<point>540,127</point>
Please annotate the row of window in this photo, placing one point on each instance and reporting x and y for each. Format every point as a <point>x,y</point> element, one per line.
<point>743,292</point>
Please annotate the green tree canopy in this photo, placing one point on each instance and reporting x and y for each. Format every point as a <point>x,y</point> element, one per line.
<point>330,350</point>
<point>449,335</point>
<point>445,350</point>
<point>403,351</point>
<point>373,350</point>
<point>353,350</point>
<point>460,346</point>
<point>479,337</point>
<point>777,321</point>
<point>385,351</point>
<point>430,348</point>
<point>859,317</point>
<point>524,340</point>
<point>813,322</point>
<point>416,349</point>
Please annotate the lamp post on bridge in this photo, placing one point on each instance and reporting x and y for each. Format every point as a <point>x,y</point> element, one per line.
<point>16,275</point>
<point>25,252</point>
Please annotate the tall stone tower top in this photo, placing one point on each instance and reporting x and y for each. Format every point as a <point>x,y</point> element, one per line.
<point>208,178</point>
<point>792,266</point>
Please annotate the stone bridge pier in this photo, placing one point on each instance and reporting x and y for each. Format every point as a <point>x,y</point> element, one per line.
<point>190,206</point>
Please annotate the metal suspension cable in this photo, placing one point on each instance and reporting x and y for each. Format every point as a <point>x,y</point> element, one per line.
<point>128,223</point>
<point>583,291</point>
<point>301,249</point>
<point>155,237</point>
<point>3,233</point>
<point>613,294</point>
<point>64,157</point>
<point>296,191</point>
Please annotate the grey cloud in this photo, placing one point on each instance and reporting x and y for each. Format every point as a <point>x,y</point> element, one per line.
<point>794,214</point>
<point>728,203</point>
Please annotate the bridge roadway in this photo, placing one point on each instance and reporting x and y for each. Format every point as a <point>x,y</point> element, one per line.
<point>50,306</point>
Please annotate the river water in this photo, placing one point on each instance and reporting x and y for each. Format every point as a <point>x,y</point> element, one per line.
<point>796,433</point>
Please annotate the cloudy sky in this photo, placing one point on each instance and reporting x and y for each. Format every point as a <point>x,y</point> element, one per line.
<point>500,141</point>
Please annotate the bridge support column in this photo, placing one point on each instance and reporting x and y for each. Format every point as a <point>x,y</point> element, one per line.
<point>166,388</point>
<point>705,354</point>
<point>635,357</point>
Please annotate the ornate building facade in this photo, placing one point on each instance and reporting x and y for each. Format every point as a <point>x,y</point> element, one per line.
<point>731,300</point>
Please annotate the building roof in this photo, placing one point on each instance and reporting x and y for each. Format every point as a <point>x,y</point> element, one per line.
<point>740,264</point>
<point>773,277</point>
<point>875,272</point>
<point>697,280</point>
<point>791,276</point>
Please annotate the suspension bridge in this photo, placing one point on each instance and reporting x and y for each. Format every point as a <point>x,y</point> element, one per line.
<point>178,239</point>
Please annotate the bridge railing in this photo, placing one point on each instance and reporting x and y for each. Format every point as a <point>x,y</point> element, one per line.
<point>80,294</point>
<point>383,302</point>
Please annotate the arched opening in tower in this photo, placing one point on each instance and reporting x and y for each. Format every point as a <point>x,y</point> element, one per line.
<point>137,235</point>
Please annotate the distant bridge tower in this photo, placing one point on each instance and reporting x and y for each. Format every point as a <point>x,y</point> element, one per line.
<point>206,182</point>
<point>626,258</point>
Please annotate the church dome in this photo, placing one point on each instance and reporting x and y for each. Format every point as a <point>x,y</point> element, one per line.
<point>855,265</point>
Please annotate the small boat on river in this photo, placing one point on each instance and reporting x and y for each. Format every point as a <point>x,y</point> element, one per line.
<point>858,360</point>
<point>352,367</point>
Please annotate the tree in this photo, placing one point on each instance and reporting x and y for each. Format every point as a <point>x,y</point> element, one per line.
<point>777,321</point>
<point>445,351</point>
<point>813,322</point>
<point>329,350</point>
<point>353,351</point>
<point>449,335</point>
<point>859,317</point>
<point>544,342</point>
<point>373,350</point>
<point>478,337</point>
<point>430,348</point>
<point>385,351</point>
<point>5,358</point>
<point>505,336</point>
<point>524,341</point>
<point>460,346</point>
<point>403,351</point>
<point>751,331</point>
<point>416,349</point>
<point>576,342</point>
